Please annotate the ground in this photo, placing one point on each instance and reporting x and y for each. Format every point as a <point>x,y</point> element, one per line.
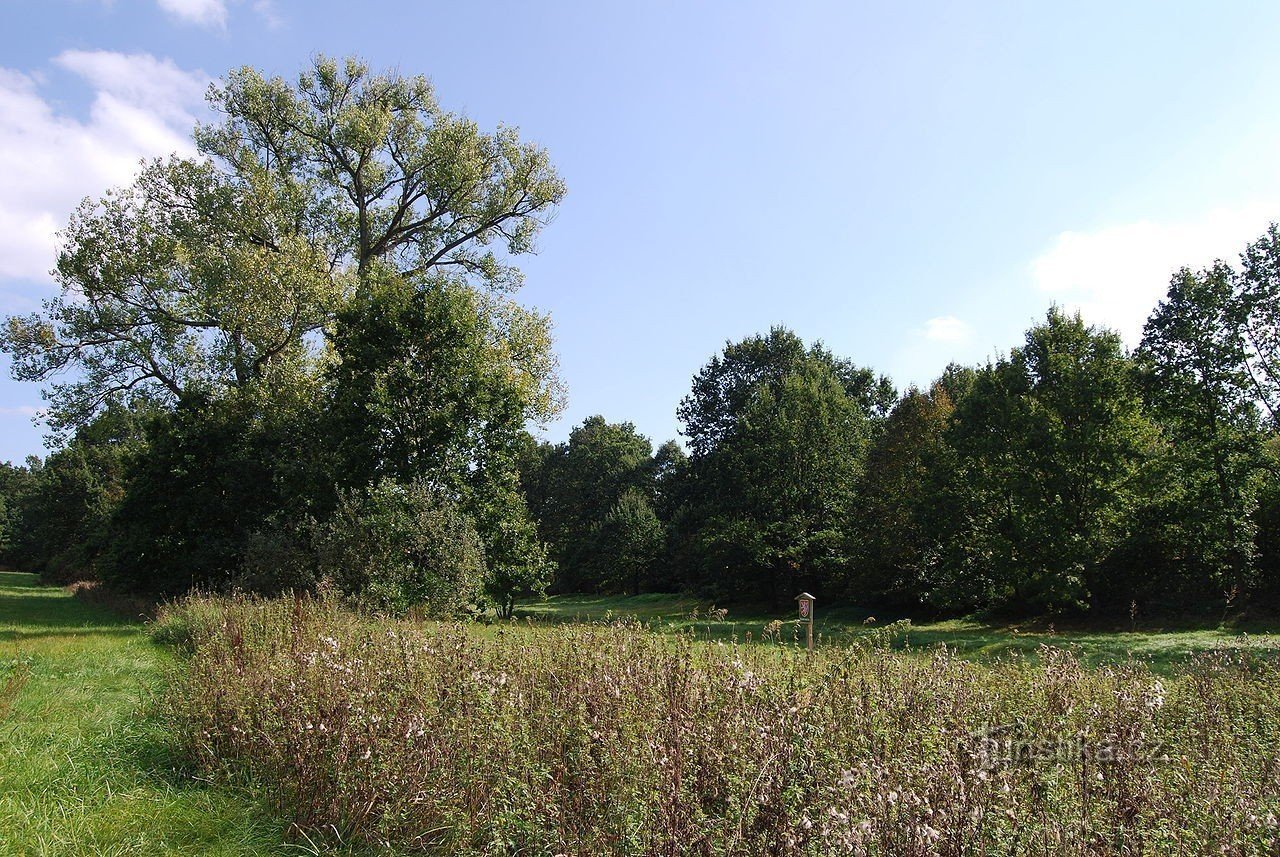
<point>1162,645</point>
<point>86,768</point>
<point>83,769</point>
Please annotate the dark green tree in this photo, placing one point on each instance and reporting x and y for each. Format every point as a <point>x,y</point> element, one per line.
<point>572,486</point>
<point>772,499</point>
<point>904,514</point>
<point>625,545</point>
<point>1200,387</point>
<point>1052,445</point>
<point>399,546</point>
<point>59,513</point>
<point>723,388</point>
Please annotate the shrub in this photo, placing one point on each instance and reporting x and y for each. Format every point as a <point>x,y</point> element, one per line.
<point>400,546</point>
<point>280,559</point>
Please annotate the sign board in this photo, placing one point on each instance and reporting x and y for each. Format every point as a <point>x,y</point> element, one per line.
<point>806,615</point>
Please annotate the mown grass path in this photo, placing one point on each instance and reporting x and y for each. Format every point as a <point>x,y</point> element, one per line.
<point>83,771</point>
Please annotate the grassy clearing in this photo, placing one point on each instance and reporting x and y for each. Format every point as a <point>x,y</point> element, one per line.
<point>1162,647</point>
<point>81,771</point>
<point>582,738</point>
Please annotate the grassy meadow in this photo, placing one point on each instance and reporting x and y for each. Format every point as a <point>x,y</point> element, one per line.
<point>83,769</point>
<point>647,725</point>
<point>1163,646</point>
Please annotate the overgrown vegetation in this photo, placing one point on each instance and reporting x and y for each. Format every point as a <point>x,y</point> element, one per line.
<point>607,739</point>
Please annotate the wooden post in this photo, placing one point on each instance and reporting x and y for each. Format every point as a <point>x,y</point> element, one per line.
<point>806,613</point>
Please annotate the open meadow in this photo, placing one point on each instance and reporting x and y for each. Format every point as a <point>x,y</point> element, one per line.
<point>1162,645</point>
<point>619,726</point>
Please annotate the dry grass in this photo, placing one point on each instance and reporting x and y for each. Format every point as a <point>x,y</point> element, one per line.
<point>595,739</point>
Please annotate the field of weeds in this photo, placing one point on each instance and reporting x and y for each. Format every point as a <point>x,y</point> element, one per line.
<point>609,739</point>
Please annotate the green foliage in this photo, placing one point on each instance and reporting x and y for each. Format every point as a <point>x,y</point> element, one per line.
<point>574,485</point>
<point>58,511</point>
<point>626,544</point>
<point>381,172</point>
<point>1052,443</point>
<point>723,388</point>
<point>210,272</point>
<point>400,546</point>
<point>213,473</point>
<point>1200,387</point>
<point>435,378</point>
<point>779,435</point>
<point>905,517</point>
<point>1258,311</point>
<point>518,561</point>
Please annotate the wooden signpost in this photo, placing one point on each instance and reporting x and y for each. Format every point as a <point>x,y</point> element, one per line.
<point>806,614</point>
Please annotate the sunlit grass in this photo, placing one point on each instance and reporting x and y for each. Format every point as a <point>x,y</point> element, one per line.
<point>82,769</point>
<point>1161,646</point>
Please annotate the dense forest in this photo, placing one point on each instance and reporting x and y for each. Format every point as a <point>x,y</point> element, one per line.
<point>295,361</point>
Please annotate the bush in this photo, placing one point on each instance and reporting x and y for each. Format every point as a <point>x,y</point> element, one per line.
<point>610,740</point>
<point>401,546</point>
<point>280,559</point>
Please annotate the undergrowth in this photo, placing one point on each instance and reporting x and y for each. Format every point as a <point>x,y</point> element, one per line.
<point>609,739</point>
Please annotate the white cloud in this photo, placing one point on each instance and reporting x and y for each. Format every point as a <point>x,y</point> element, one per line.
<point>205,13</point>
<point>266,10</point>
<point>1116,275</point>
<point>949,329</point>
<point>49,159</point>
<point>214,13</point>
<point>139,79</point>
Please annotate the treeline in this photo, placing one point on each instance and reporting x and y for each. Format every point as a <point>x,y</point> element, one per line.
<point>1067,475</point>
<point>294,361</point>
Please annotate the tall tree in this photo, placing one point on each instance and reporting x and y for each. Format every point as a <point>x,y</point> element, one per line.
<point>1052,442</point>
<point>208,273</point>
<point>904,513</point>
<point>572,486</point>
<point>435,381</point>
<point>1199,384</point>
<point>725,386</point>
<point>772,491</point>
<point>1258,314</point>
<point>626,543</point>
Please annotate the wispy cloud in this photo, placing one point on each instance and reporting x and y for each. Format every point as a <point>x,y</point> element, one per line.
<point>142,107</point>
<point>204,13</point>
<point>948,329</point>
<point>214,13</point>
<point>1116,274</point>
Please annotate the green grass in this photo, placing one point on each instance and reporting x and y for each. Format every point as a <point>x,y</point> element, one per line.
<point>82,769</point>
<point>1163,647</point>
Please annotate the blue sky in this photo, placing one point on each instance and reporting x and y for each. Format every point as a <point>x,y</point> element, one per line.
<point>912,183</point>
